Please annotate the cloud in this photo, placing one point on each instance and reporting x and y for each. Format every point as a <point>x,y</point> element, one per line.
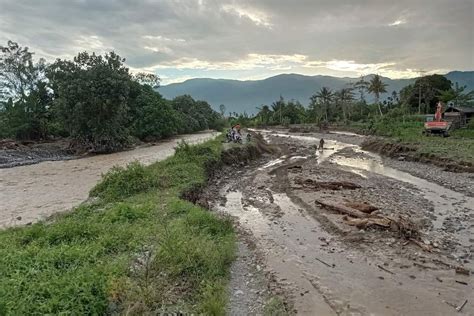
<point>398,22</point>
<point>251,38</point>
<point>258,17</point>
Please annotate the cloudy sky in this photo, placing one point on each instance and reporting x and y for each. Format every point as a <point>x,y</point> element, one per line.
<point>181,39</point>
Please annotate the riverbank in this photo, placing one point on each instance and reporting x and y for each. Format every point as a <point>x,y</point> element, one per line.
<point>34,192</point>
<point>136,248</point>
<point>17,153</point>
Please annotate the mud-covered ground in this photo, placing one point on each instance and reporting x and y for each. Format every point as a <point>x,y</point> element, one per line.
<point>322,264</point>
<point>13,154</point>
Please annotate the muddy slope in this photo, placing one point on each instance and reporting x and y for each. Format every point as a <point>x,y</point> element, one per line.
<point>13,154</point>
<point>402,151</point>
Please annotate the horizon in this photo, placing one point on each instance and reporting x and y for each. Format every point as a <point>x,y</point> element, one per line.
<point>251,40</point>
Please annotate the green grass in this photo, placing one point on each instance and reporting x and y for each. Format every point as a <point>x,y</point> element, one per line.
<point>275,307</point>
<point>458,147</point>
<point>137,249</point>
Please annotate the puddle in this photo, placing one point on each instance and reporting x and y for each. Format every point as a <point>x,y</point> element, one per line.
<point>346,133</point>
<point>326,278</point>
<point>273,162</point>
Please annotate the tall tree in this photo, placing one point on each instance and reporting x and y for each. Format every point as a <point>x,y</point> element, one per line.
<point>222,109</point>
<point>376,87</point>
<point>93,95</point>
<point>457,95</point>
<point>325,96</point>
<point>264,114</point>
<point>22,81</point>
<point>361,86</point>
<point>345,96</point>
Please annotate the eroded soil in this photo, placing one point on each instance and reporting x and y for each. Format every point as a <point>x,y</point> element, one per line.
<point>324,265</point>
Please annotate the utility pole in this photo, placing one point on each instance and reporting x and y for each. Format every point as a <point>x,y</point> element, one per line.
<point>421,74</point>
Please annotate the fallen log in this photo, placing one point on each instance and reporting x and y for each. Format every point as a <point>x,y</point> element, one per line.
<point>342,209</point>
<point>363,207</point>
<point>367,222</point>
<point>404,226</point>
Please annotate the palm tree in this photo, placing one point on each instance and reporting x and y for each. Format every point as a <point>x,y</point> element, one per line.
<point>376,87</point>
<point>325,95</point>
<point>264,114</point>
<point>345,96</point>
<point>361,86</point>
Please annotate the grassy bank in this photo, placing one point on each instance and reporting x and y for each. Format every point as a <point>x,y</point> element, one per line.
<point>138,248</point>
<point>458,148</point>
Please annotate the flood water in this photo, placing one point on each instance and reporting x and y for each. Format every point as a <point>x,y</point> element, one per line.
<point>34,192</point>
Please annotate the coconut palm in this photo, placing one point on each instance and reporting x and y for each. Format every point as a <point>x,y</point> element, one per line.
<point>345,96</point>
<point>325,96</point>
<point>376,87</point>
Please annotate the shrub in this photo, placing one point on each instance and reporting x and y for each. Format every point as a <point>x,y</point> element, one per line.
<point>120,183</point>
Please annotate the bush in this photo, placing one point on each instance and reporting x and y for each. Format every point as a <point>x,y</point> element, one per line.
<point>120,183</point>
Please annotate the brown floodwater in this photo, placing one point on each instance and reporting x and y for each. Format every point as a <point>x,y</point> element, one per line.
<point>34,192</point>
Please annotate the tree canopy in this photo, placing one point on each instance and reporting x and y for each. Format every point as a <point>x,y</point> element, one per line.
<point>93,99</point>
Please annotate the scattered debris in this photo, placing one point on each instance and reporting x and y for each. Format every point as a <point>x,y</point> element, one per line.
<point>422,245</point>
<point>342,209</point>
<point>404,226</point>
<point>461,282</point>
<point>363,207</point>
<point>367,222</point>
<point>460,307</point>
<point>384,269</point>
<point>327,185</point>
<point>462,270</point>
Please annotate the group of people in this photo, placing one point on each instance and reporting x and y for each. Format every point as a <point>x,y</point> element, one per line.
<point>233,134</point>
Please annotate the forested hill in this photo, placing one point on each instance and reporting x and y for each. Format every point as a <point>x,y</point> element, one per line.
<point>242,96</point>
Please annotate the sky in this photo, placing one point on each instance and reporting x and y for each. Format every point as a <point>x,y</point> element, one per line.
<point>250,40</point>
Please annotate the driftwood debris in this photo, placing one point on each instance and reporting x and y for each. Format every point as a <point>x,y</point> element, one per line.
<point>386,270</point>
<point>326,185</point>
<point>422,245</point>
<point>325,263</point>
<point>363,207</point>
<point>460,307</point>
<point>462,270</point>
<point>404,226</point>
<point>342,209</point>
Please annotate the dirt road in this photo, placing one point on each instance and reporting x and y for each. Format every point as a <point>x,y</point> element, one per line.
<point>33,192</point>
<point>328,267</point>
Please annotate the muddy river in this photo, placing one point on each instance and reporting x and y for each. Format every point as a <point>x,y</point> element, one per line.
<point>33,192</point>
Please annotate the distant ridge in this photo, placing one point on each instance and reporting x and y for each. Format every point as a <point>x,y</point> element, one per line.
<point>240,96</point>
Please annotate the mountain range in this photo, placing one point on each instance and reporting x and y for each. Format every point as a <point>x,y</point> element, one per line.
<point>239,96</point>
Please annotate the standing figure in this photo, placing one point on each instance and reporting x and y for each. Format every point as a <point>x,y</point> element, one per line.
<point>321,144</point>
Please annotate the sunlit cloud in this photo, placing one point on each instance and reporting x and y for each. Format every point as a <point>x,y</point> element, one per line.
<point>251,61</point>
<point>398,22</point>
<point>163,49</point>
<point>257,17</point>
<point>163,38</point>
<point>273,63</point>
